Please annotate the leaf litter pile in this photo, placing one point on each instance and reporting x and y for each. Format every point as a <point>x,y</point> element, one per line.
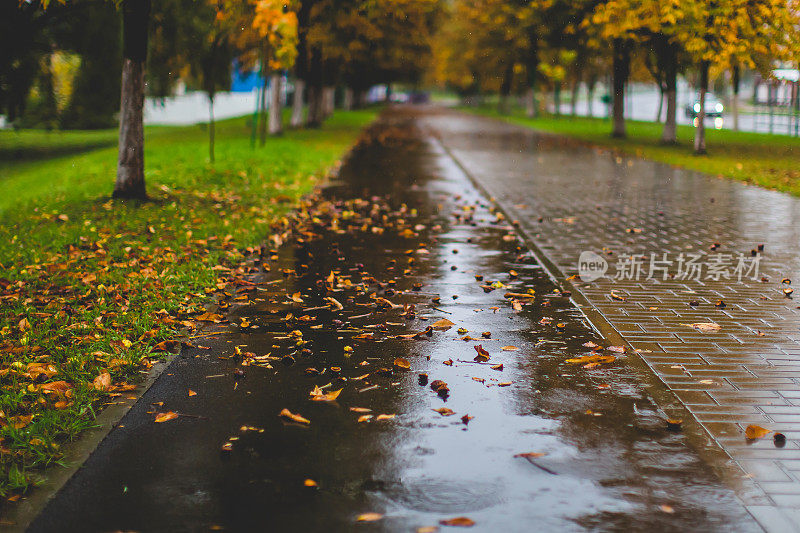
<point>93,292</point>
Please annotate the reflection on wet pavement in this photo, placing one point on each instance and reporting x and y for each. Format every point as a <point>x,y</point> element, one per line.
<point>601,457</point>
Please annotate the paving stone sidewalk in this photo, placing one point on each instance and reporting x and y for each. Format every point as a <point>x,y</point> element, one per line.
<point>570,198</point>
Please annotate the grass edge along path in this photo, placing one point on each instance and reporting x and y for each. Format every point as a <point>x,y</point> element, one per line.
<point>769,161</point>
<point>92,290</point>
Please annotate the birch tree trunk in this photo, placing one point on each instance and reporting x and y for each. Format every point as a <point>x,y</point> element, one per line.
<point>275,107</point>
<point>130,164</point>
<point>297,103</point>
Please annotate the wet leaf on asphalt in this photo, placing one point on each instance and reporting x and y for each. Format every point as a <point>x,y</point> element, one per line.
<point>385,417</point>
<point>444,411</point>
<point>589,359</point>
<point>483,355</point>
<point>442,324</point>
<point>509,348</point>
<point>285,413</point>
<point>310,483</point>
<point>369,517</point>
<point>360,410</point>
<point>318,395</point>
<point>402,363</point>
<point>459,521</point>
<point>166,417</point>
<point>532,455</point>
<point>364,418</point>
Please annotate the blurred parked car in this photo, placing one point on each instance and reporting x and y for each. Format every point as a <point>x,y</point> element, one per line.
<point>713,106</point>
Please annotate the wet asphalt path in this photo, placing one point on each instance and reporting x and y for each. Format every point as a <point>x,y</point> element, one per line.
<point>607,461</point>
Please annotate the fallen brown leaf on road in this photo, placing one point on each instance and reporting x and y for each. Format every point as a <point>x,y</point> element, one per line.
<point>509,348</point>
<point>530,454</point>
<point>402,363</point>
<point>442,324</point>
<point>310,483</point>
<point>483,355</point>
<point>459,521</point>
<point>209,317</point>
<point>318,395</point>
<point>704,327</point>
<point>586,359</point>
<point>285,413</point>
<point>385,417</point>
<point>444,411</point>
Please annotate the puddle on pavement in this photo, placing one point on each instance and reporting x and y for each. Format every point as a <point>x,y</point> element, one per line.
<point>607,463</point>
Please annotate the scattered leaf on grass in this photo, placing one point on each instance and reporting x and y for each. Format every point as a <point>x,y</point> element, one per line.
<point>102,382</point>
<point>166,417</point>
<point>285,413</point>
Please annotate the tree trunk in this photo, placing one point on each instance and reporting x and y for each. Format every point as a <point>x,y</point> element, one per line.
<point>590,97</point>
<point>661,94</point>
<point>297,103</point>
<point>347,103</point>
<point>262,119</point>
<point>557,99</point>
<point>574,98</point>
<point>211,128</point>
<point>275,107</point>
<point>621,70</point>
<point>670,133</point>
<point>735,82</point>
<point>130,165</point>
<point>314,116</point>
<point>700,131</point>
<point>328,101</point>
<point>505,89</point>
<point>530,103</point>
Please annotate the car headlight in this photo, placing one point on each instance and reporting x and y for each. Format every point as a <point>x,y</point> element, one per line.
<point>718,107</point>
<point>697,107</point>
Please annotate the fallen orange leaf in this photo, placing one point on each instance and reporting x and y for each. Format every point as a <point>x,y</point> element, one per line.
<point>285,413</point>
<point>166,417</point>
<point>753,432</point>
